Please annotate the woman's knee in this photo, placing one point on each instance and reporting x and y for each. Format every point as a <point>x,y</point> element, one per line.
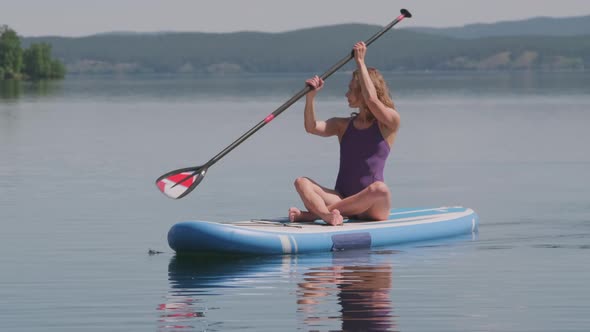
<point>379,188</point>
<point>301,183</point>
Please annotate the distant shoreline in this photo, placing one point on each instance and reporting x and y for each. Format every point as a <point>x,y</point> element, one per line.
<point>539,44</point>
<point>347,72</point>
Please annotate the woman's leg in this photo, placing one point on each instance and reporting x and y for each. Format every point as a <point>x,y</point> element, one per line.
<point>316,199</point>
<point>372,203</point>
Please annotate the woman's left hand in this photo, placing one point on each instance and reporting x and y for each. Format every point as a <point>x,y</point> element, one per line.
<point>360,50</point>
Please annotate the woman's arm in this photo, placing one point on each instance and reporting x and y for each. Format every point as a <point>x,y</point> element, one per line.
<point>312,125</point>
<point>385,115</point>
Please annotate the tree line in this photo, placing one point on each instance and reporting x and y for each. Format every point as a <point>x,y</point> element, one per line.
<point>313,50</point>
<point>33,63</point>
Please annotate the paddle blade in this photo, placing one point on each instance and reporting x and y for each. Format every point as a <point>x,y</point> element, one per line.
<point>179,183</point>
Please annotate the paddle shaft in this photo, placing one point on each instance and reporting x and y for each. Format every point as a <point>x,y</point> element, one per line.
<point>303,92</point>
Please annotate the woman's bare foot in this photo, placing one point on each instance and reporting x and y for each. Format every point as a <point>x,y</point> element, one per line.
<point>294,214</point>
<point>297,215</point>
<point>334,218</point>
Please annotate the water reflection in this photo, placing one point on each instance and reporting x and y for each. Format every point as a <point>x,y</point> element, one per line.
<point>11,90</point>
<point>193,279</point>
<point>362,287</point>
<point>344,291</point>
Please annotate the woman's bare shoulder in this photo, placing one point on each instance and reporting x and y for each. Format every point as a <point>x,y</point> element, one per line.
<point>339,124</point>
<point>340,120</point>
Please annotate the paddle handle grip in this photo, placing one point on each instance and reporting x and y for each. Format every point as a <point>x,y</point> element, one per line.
<point>404,13</point>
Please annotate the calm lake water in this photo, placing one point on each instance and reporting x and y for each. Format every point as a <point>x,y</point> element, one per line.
<point>79,210</point>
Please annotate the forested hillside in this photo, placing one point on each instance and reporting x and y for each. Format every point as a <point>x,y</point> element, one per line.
<point>312,50</point>
<point>538,26</point>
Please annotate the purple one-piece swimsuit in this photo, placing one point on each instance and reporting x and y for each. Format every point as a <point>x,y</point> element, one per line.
<point>363,153</point>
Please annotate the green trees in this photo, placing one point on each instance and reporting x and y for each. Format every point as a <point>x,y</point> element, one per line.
<point>34,63</point>
<point>11,57</point>
<point>38,63</point>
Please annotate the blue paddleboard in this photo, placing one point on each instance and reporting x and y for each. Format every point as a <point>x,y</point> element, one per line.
<point>279,236</point>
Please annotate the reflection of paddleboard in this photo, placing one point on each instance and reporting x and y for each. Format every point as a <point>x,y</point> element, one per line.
<point>279,236</point>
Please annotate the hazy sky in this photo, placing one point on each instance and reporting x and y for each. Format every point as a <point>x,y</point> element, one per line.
<point>83,17</point>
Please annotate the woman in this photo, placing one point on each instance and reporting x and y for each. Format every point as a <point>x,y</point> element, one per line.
<point>365,140</point>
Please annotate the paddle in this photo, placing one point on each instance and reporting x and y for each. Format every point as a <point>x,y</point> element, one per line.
<point>178,183</point>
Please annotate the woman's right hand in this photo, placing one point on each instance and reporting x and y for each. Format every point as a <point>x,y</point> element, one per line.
<point>316,84</point>
<point>360,50</point>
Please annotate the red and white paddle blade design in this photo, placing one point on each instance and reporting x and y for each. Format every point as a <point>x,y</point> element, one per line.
<point>176,185</point>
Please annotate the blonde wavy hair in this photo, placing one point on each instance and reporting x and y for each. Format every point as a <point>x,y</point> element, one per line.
<point>381,87</point>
